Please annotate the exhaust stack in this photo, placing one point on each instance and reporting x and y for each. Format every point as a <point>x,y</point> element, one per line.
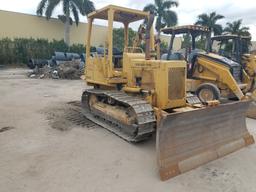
<point>147,36</point>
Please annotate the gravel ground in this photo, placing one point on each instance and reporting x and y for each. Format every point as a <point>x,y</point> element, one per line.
<point>37,155</point>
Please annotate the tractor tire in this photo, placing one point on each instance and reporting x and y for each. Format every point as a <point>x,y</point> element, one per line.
<point>208,92</point>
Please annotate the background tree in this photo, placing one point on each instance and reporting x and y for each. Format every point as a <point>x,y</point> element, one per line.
<point>164,16</point>
<point>210,21</point>
<point>118,38</point>
<point>71,8</point>
<point>236,28</point>
<point>186,42</point>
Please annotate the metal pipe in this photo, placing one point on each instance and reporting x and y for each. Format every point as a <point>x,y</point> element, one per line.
<point>170,46</point>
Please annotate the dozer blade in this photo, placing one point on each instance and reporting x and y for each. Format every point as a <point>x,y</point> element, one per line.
<point>251,113</point>
<point>186,140</point>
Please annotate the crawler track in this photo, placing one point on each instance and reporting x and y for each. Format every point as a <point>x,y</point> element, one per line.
<point>145,118</point>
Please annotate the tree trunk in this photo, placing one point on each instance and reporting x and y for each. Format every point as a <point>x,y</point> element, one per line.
<point>67,30</point>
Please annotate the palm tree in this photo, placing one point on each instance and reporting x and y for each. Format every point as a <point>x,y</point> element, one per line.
<point>236,28</point>
<point>210,21</point>
<point>70,7</point>
<point>165,16</point>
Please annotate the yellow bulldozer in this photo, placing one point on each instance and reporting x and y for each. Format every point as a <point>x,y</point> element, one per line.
<point>135,96</point>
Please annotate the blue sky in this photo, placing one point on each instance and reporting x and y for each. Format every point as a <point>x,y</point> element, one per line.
<point>187,11</point>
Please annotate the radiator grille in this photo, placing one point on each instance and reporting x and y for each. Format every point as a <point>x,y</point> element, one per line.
<point>176,83</point>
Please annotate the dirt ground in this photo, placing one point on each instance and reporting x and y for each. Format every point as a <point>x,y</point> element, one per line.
<point>46,146</point>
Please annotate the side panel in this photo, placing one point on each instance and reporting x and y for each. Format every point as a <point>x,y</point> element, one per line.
<point>96,70</point>
<point>167,80</point>
<point>171,84</point>
<point>176,82</point>
<point>128,66</point>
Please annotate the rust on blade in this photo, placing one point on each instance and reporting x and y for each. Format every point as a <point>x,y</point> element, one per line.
<point>248,139</point>
<point>189,139</point>
<point>171,171</point>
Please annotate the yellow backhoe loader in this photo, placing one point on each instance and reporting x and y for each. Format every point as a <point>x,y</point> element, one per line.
<point>235,48</point>
<point>134,95</point>
<point>210,75</point>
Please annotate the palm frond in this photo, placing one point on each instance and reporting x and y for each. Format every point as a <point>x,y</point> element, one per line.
<point>41,7</point>
<point>75,12</point>
<point>66,7</point>
<point>218,17</point>
<point>88,7</point>
<point>169,3</point>
<point>151,8</point>
<point>161,9</point>
<point>79,5</point>
<point>235,27</point>
<point>217,29</point>
<point>203,19</point>
<point>159,3</point>
<point>210,21</point>
<point>245,29</point>
<point>50,7</point>
<point>170,18</point>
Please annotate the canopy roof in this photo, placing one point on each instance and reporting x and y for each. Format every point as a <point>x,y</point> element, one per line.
<point>121,14</point>
<point>230,36</point>
<point>185,29</point>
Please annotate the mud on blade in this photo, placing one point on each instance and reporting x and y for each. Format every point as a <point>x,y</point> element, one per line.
<point>189,139</point>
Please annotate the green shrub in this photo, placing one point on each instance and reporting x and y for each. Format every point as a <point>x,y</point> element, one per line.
<point>20,50</point>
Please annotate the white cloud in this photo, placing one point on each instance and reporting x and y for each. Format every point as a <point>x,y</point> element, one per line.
<point>187,11</point>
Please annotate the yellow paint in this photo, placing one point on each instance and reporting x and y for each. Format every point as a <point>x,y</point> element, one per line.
<point>137,73</point>
<point>213,70</point>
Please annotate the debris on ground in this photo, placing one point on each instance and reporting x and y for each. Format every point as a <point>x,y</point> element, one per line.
<point>61,66</point>
<point>65,70</point>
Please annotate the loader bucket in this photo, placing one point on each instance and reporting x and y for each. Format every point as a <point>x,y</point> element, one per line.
<point>186,140</point>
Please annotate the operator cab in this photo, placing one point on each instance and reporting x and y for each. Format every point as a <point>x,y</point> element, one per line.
<point>189,51</point>
<point>108,53</point>
<point>230,46</point>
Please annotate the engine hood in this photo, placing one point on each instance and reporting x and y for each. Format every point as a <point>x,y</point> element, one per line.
<point>220,59</point>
